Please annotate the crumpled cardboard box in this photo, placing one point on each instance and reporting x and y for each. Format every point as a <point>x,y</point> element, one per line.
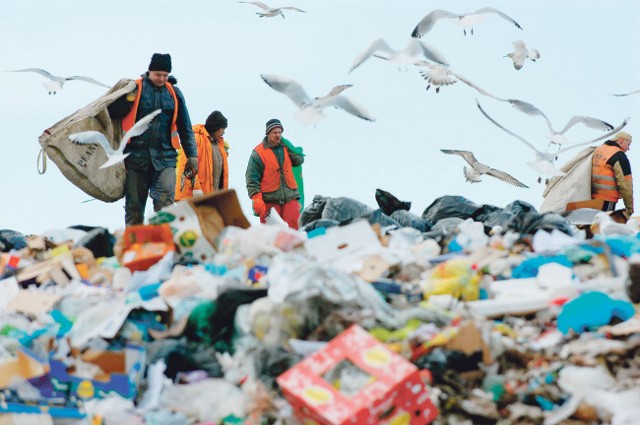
<point>393,393</point>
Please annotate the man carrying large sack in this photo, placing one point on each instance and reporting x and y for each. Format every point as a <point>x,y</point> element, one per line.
<point>611,177</point>
<point>152,155</point>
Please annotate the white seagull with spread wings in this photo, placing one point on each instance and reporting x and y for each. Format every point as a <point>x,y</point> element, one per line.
<point>466,20</point>
<point>407,56</point>
<point>477,169</point>
<point>117,155</point>
<point>544,160</point>
<point>270,12</point>
<point>520,53</point>
<point>311,109</point>
<point>55,83</point>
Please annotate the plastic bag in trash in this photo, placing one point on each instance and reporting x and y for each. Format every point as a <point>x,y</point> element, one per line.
<point>313,211</point>
<point>389,203</point>
<point>408,219</point>
<point>315,224</point>
<point>450,206</point>
<point>344,210</point>
<point>382,219</point>
<point>10,239</point>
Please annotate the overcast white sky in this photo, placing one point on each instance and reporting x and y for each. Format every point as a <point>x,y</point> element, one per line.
<point>220,48</point>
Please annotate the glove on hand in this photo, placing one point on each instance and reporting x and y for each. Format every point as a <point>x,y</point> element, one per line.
<point>259,207</point>
<point>192,164</point>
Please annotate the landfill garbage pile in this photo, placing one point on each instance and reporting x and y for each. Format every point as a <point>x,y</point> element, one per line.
<point>467,314</point>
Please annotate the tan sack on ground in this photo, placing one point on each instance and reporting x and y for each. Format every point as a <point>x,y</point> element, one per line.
<point>574,186</point>
<point>80,163</point>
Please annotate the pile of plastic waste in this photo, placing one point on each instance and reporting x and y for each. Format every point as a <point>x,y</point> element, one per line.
<point>466,314</point>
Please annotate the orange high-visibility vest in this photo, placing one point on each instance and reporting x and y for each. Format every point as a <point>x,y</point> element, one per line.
<point>130,118</point>
<point>204,178</point>
<point>272,171</point>
<point>603,179</point>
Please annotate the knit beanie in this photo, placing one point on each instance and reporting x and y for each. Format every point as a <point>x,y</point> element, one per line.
<point>215,121</point>
<point>160,62</point>
<point>273,123</point>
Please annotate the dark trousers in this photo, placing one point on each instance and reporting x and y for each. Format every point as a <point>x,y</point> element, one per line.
<point>142,183</point>
<point>609,206</point>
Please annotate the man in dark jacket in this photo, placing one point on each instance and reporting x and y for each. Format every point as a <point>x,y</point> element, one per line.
<point>611,177</point>
<point>269,176</point>
<point>152,155</point>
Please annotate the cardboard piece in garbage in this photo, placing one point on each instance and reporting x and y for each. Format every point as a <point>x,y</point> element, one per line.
<point>196,223</point>
<point>392,391</point>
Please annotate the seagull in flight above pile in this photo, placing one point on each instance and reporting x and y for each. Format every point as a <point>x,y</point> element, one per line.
<point>311,109</point>
<point>407,56</point>
<point>544,160</point>
<point>117,155</point>
<point>520,53</point>
<point>270,12</point>
<point>627,94</point>
<point>477,169</point>
<point>55,84</point>
<point>466,20</point>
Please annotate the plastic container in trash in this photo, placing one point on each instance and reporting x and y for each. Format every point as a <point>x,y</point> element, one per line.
<point>456,277</point>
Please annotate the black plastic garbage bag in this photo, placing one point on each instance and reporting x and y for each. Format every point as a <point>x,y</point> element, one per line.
<point>408,219</point>
<point>443,229</point>
<point>484,212</point>
<point>182,356</point>
<point>345,210</point>
<point>520,207</point>
<point>548,221</point>
<point>449,206</point>
<point>10,239</point>
<point>381,218</point>
<point>501,218</point>
<point>313,211</point>
<point>319,223</point>
<point>98,240</point>
<point>389,203</point>
<point>212,322</point>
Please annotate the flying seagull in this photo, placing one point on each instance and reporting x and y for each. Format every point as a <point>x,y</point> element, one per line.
<point>55,84</point>
<point>627,94</point>
<point>477,169</point>
<point>520,53</point>
<point>466,20</point>
<point>439,75</point>
<point>544,160</point>
<point>406,56</point>
<point>311,109</point>
<point>557,137</point>
<point>554,136</point>
<point>97,138</point>
<point>270,12</point>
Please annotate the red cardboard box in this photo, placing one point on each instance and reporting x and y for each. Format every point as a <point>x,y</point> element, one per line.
<point>392,394</point>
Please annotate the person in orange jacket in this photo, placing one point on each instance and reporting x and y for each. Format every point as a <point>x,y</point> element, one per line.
<point>611,177</point>
<point>213,165</point>
<point>269,176</point>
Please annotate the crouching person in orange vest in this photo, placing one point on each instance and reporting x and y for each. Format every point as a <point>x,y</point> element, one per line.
<point>213,166</point>
<point>611,177</point>
<point>269,177</point>
<point>151,159</point>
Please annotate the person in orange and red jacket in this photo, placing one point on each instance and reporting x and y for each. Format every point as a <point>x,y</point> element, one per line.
<point>213,167</point>
<point>269,176</point>
<point>152,155</point>
<point>611,177</point>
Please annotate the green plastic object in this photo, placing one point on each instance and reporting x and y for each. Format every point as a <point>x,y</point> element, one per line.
<point>297,170</point>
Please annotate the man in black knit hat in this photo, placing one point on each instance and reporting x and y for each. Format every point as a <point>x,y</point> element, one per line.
<point>152,155</point>
<point>213,167</point>
<point>270,179</point>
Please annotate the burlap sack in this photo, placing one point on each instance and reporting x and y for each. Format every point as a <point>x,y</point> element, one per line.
<point>574,186</point>
<point>80,163</point>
